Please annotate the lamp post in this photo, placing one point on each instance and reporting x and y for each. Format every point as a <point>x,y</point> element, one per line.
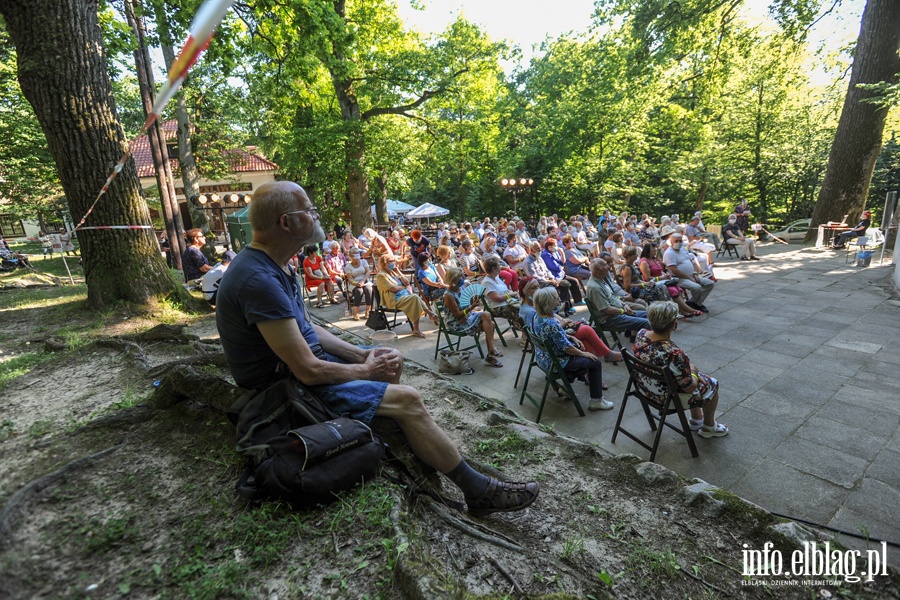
<point>230,200</point>
<point>514,185</point>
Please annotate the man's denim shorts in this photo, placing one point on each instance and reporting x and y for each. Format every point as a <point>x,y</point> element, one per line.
<point>354,399</point>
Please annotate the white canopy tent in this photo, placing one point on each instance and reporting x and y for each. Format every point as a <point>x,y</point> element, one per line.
<point>427,211</point>
<point>396,207</point>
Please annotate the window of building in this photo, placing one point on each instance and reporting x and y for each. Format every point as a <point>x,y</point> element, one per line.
<point>11,227</point>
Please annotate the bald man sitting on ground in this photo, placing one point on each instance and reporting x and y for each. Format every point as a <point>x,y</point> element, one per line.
<point>263,323</point>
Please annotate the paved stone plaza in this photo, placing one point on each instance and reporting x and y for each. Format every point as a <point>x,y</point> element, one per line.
<point>807,351</point>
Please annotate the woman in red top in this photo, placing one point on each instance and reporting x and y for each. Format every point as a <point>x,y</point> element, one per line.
<point>317,276</point>
<point>652,270</point>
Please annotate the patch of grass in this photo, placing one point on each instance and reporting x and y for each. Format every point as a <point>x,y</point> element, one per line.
<point>20,365</point>
<point>660,564</point>
<point>572,546</point>
<point>499,446</point>
<point>41,428</point>
<point>7,429</point>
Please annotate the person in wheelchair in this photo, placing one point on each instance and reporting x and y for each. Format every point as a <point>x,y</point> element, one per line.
<point>655,346</point>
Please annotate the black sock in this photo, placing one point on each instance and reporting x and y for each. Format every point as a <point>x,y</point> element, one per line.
<point>471,482</point>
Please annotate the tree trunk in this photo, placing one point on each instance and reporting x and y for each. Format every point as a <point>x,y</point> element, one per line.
<point>857,141</point>
<point>701,194</point>
<point>62,73</point>
<point>158,150</point>
<point>190,178</point>
<point>381,214</point>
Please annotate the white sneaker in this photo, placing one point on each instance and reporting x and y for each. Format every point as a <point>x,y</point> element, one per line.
<point>600,404</point>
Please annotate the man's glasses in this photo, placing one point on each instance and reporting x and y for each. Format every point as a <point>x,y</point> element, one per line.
<point>312,209</point>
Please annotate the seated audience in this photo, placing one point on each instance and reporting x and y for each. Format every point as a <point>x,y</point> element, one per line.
<point>509,276</point>
<point>574,361</point>
<point>858,231</point>
<point>395,294</point>
<point>357,277</point>
<point>193,261</point>
<point>576,263</point>
<point>433,287</point>
<point>209,283</point>
<point>679,263</point>
<point>263,325</point>
<point>469,261</point>
<point>634,284</point>
<point>348,243</point>
<point>335,264</point>
<point>536,268</point>
<point>657,348</point>
<point>605,307</point>
<point>653,272</point>
<point>468,320</point>
<point>317,276</point>
<point>735,237</point>
<point>501,300</point>
<point>555,260</point>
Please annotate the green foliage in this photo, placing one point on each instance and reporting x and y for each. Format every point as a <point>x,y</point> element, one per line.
<point>19,365</point>
<point>27,169</point>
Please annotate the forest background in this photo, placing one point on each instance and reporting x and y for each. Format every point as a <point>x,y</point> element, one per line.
<point>655,107</point>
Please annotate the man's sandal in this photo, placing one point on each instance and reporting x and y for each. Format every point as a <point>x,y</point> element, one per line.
<point>493,362</point>
<point>503,496</point>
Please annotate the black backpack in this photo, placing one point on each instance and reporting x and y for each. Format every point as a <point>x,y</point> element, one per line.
<point>298,449</point>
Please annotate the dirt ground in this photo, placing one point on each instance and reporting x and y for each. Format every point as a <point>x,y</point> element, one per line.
<point>110,490</point>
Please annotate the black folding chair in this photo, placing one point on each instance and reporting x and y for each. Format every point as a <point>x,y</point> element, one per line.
<point>643,376</point>
<point>555,378</point>
<point>379,307</point>
<point>446,332</point>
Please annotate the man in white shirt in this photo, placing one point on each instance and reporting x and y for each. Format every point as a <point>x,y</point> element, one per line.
<point>209,283</point>
<point>583,243</point>
<point>522,233</point>
<point>681,265</point>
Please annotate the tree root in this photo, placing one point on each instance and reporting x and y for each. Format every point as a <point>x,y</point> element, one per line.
<point>706,583</point>
<point>134,351</point>
<point>507,575</point>
<point>16,505</point>
<point>184,382</point>
<point>474,530</point>
<point>207,358</point>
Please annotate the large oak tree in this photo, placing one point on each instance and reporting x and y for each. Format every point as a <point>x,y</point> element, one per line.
<point>62,73</point>
<point>857,142</point>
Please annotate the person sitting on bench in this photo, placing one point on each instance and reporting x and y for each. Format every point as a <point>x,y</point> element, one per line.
<point>263,323</point>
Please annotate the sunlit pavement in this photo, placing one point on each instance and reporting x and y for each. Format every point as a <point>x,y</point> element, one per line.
<point>806,348</point>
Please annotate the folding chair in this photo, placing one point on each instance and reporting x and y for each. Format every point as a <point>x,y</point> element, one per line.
<point>378,306</point>
<point>661,380</point>
<point>860,243</point>
<point>500,331</point>
<point>442,329</point>
<point>725,247</point>
<point>527,349</point>
<point>555,377</point>
<point>602,330</point>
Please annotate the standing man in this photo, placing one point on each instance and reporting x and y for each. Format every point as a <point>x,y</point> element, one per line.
<point>677,259</point>
<point>743,214</point>
<point>264,325</point>
<point>857,231</point>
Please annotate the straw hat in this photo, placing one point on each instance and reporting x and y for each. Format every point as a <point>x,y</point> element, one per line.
<point>666,231</point>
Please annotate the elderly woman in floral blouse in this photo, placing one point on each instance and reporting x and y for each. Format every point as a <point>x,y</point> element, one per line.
<point>656,347</point>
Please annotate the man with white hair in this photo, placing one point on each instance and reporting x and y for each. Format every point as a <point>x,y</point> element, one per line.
<point>266,334</point>
<point>678,261</point>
